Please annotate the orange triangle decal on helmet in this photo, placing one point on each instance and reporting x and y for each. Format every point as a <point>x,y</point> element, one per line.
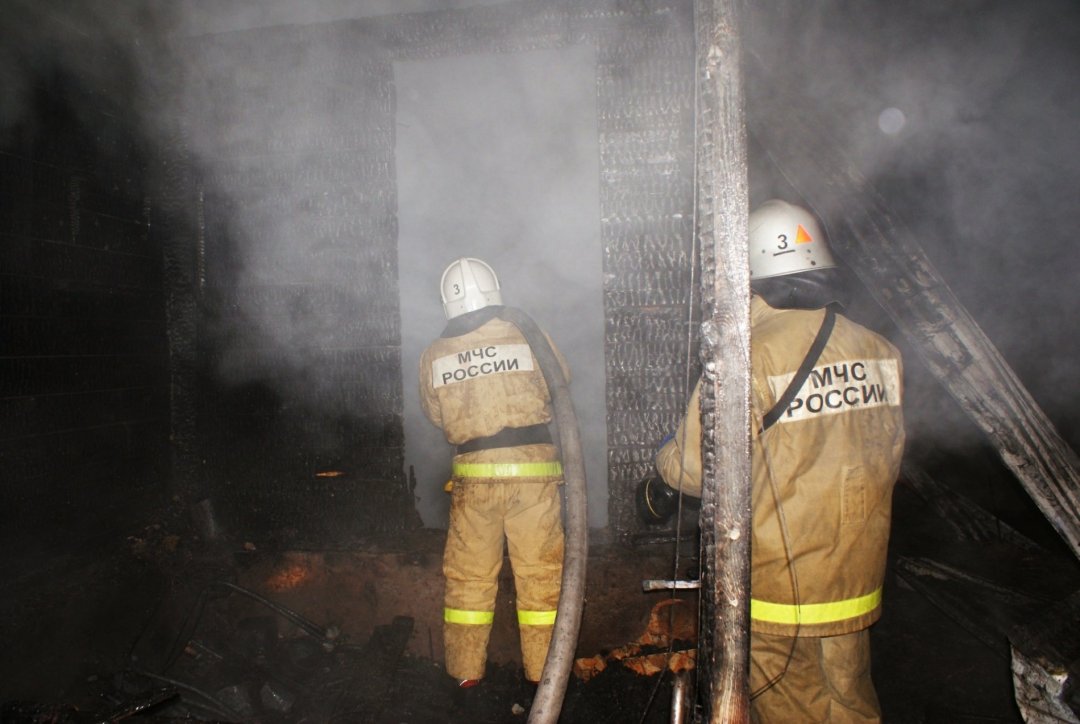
<point>802,237</point>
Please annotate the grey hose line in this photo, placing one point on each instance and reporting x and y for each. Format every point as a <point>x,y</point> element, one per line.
<point>547,704</point>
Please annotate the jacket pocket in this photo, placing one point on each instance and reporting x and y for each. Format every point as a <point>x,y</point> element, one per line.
<point>853,496</point>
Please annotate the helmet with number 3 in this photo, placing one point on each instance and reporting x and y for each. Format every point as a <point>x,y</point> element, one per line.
<point>786,239</point>
<point>468,284</point>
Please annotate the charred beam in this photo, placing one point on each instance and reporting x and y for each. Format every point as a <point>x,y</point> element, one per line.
<point>722,200</point>
<point>968,521</point>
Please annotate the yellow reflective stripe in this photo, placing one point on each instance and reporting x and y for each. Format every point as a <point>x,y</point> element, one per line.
<point>811,613</point>
<point>536,618</point>
<point>475,618</point>
<point>507,470</point>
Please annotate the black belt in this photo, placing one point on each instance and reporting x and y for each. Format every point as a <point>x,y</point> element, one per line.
<point>508,437</point>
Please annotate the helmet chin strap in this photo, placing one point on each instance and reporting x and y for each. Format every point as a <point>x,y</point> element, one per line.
<point>807,290</point>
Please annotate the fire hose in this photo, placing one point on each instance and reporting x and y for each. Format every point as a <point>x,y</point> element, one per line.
<point>560,657</point>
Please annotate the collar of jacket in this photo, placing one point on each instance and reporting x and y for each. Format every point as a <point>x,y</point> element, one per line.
<point>471,320</point>
<point>760,309</point>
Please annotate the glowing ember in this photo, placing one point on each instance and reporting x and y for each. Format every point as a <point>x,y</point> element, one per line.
<point>289,578</point>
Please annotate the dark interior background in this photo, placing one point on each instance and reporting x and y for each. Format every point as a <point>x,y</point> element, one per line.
<point>199,305</point>
<point>85,400</point>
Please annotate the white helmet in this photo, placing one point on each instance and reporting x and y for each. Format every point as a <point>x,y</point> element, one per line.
<point>467,285</point>
<point>785,239</point>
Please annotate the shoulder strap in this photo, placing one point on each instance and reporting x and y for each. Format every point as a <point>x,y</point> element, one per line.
<point>803,372</point>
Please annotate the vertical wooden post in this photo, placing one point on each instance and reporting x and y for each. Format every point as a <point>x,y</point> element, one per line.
<point>722,201</point>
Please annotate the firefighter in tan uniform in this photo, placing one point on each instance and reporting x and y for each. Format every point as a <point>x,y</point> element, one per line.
<point>824,466</point>
<point>481,384</point>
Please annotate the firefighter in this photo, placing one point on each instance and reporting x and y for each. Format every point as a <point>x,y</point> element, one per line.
<point>826,449</point>
<point>481,384</point>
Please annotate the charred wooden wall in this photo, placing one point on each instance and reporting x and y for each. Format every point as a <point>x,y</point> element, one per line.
<point>289,416</point>
<point>83,381</point>
<point>257,451</point>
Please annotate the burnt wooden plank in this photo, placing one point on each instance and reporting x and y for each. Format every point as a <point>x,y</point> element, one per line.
<point>1014,596</point>
<point>967,520</point>
<point>722,228</point>
<point>1048,646</point>
<point>1038,632</point>
<point>987,609</point>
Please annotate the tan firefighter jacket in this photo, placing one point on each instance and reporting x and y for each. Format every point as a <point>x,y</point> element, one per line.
<point>478,384</point>
<point>829,465</point>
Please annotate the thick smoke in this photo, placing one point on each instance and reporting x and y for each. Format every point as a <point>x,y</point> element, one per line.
<point>497,159</point>
<point>963,116</point>
<point>498,177</point>
<point>962,113</point>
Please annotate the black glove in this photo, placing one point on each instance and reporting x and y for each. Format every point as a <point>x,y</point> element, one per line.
<point>655,501</point>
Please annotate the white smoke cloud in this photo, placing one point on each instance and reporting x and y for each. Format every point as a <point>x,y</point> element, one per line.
<point>963,116</point>
<point>963,113</point>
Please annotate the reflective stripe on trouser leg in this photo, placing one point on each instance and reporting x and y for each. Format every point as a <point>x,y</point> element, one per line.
<point>534,536</point>
<point>471,563</point>
<point>468,618</point>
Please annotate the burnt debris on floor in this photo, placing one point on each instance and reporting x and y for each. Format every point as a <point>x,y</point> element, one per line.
<point>227,665</point>
<point>221,646</point>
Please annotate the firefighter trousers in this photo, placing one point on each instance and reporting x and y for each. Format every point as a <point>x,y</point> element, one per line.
<point>528,515</point>
<point>827,679</point>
